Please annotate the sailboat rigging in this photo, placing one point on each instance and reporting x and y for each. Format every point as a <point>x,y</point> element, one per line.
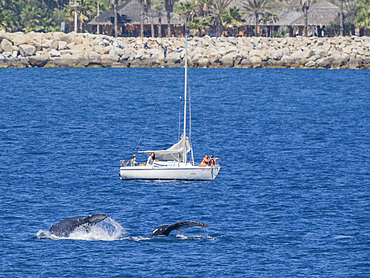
<point>172,163</point>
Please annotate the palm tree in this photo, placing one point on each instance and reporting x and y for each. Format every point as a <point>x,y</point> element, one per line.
<point>218,9</point>
<point>255,7</point>
<point>363,14</point>
<point>115,4</point>
<point>151,21</point>
<point>142,18</point>
<point>10,14</point>
<point>232,18</point>
<point>86,12</point>
<point>188,9</point>
<point>59,16</point>
<point>6,22</point>
<point>169,8</point>
<point>341,17</point>
<point>31,18</point>
<point>52,3</point>
<point>305,5</point>
<point>145,7</point>
<point>203,7</point>
<point>270,18</point>
<point>148,11</point>
<point>159,8</point>
<point>200,25</point>
<point>6,18</point>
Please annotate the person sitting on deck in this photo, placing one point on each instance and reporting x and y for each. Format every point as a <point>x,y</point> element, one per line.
<point>133,160</point>
<point>205,161</point>
<point>212,161</point>
<point>151,159</point>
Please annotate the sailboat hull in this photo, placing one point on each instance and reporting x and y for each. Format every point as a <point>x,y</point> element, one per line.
<point>166,169</point>
<point>176,171</point>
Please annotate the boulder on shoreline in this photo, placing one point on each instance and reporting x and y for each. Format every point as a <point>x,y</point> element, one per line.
<point>87,50</point>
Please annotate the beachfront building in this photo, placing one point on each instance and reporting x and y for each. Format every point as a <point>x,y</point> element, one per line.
<point>320,15</point>
<point>129,21</point>
<point>280,19</point>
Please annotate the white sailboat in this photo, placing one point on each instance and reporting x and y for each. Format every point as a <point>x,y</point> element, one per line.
<point>172,163</point>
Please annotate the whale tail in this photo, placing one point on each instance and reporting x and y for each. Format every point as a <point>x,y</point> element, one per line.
<point>165,230</point>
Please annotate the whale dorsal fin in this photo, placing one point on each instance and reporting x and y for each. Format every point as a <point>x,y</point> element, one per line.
<point>94,219</point>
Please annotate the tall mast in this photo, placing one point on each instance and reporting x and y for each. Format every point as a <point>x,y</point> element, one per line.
<point>185,93</point>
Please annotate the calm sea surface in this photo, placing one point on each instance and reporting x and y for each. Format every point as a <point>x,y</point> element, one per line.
<point>292,198</point>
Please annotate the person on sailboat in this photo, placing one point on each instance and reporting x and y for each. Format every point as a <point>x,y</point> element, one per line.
<point>205,161</point>
<point>151,159</point>
<point>133,160</point>
<point>212,161</point>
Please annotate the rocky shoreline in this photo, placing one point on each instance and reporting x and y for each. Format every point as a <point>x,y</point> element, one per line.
<point>18,50</point>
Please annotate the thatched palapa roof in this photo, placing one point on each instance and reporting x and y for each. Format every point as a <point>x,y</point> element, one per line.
<point>129,13</point>
<point>285,17</point>
<point>319,14</point>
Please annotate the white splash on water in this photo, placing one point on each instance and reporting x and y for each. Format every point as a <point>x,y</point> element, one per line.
<point>107,230</point>
<point>193,237</point>
<point>41,234</point>
<point>342,237</point>
<point>110,230</point>
<point>139,238</point>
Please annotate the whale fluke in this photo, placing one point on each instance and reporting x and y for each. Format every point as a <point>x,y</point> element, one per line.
<point>165,230</point>
<point>67,226</point>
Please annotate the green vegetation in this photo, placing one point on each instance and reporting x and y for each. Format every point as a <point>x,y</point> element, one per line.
<point>257,8</point>
<point>202,16</point>
<point>47,15</point>
<point>363,14</point>
<point>348,20</point>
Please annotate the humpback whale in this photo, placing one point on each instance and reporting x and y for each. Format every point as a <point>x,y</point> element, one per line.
<point>67,226</point>
<point>165,230</point>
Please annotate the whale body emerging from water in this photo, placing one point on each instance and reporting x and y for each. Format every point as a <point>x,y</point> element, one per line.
<point>165,230</point>
<point>67,226</point>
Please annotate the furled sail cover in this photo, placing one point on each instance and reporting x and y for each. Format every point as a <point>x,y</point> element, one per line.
<point>176,152</point>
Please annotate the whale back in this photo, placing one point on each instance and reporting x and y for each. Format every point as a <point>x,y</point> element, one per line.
<point>159,231</point>
<point>65,227</point>
<point>165,230</point>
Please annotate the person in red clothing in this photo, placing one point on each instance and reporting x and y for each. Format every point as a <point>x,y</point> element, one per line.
<point>205,161</point>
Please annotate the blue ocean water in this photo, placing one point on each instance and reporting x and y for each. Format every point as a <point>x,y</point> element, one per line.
<point>292,198</point>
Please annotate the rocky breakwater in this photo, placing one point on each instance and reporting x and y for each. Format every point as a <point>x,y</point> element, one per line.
<point>87,50</point>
